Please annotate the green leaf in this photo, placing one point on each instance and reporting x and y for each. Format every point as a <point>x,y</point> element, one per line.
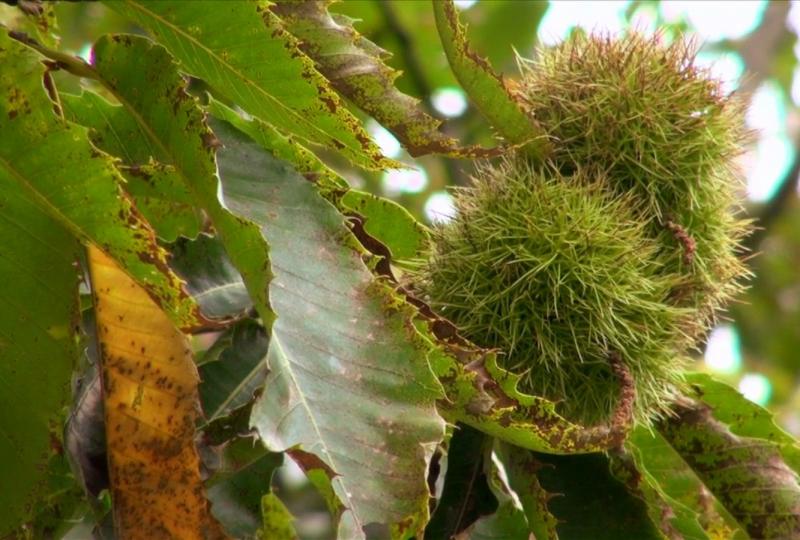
<point>466,495</point>
<point>84,197</point>
<point>277,521</point>
<point>157,189</point>
<point>347,382</point>
<point>231,381</point>
<point>354,67</point>
<point>210,277</point>
<point>144,79</point>
<point>592,503</point>
<point>389,223</point>
<point>487,90</point>
<point>38,310</point>
<point>242,50</point>
<point>748,475</point>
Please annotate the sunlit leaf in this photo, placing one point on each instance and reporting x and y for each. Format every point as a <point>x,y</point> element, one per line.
<point>84,197</point>
<point>480,393</point>
<point>277,521</point>
<point>156,188</point>
<point>151,405</point>
<point>389,223</point>
<point>38,315</point>
<point>242,50</point>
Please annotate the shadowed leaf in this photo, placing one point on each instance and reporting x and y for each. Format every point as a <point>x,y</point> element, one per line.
<point>347,382</point>
<point>239,370</point>
<point>236,489</point>
<point>466,495</point>
<point>85,197</point>
<point>210,276</point>
<point>151,405</point>
<point>591,502</point>
<point>242,50</point>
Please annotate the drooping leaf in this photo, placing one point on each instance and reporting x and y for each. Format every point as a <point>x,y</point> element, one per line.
<point>749,475</point>
<point>487,90</point>
<point>151,405</point>
<point>85,434</point>
<point>84,197</point>
<point>227,45</point>
<point>354,67</point>
<point>347,382</point>
<point>466,495</point>
<point>510,521</point>
<point>145,80</point>
<point>239,370</point>
<point>211,278</point>
<point>38,316</point>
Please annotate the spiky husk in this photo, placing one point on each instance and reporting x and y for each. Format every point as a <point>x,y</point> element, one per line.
<point>660,128</point>
<point>624,243</point>
<point>559,274</point>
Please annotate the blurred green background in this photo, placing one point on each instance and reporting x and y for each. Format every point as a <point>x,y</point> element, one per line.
<point>751,45</point>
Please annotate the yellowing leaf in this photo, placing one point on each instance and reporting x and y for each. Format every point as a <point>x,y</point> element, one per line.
<point>151,404</point>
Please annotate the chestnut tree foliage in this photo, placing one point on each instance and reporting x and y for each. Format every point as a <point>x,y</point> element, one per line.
<point>192,295</point>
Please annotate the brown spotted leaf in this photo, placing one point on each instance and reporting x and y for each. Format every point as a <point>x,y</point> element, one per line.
<point>746,463</point>
<point>242,50</point>
<point>86,196</point>
<point>355,68</point>
<point>151,406</point>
